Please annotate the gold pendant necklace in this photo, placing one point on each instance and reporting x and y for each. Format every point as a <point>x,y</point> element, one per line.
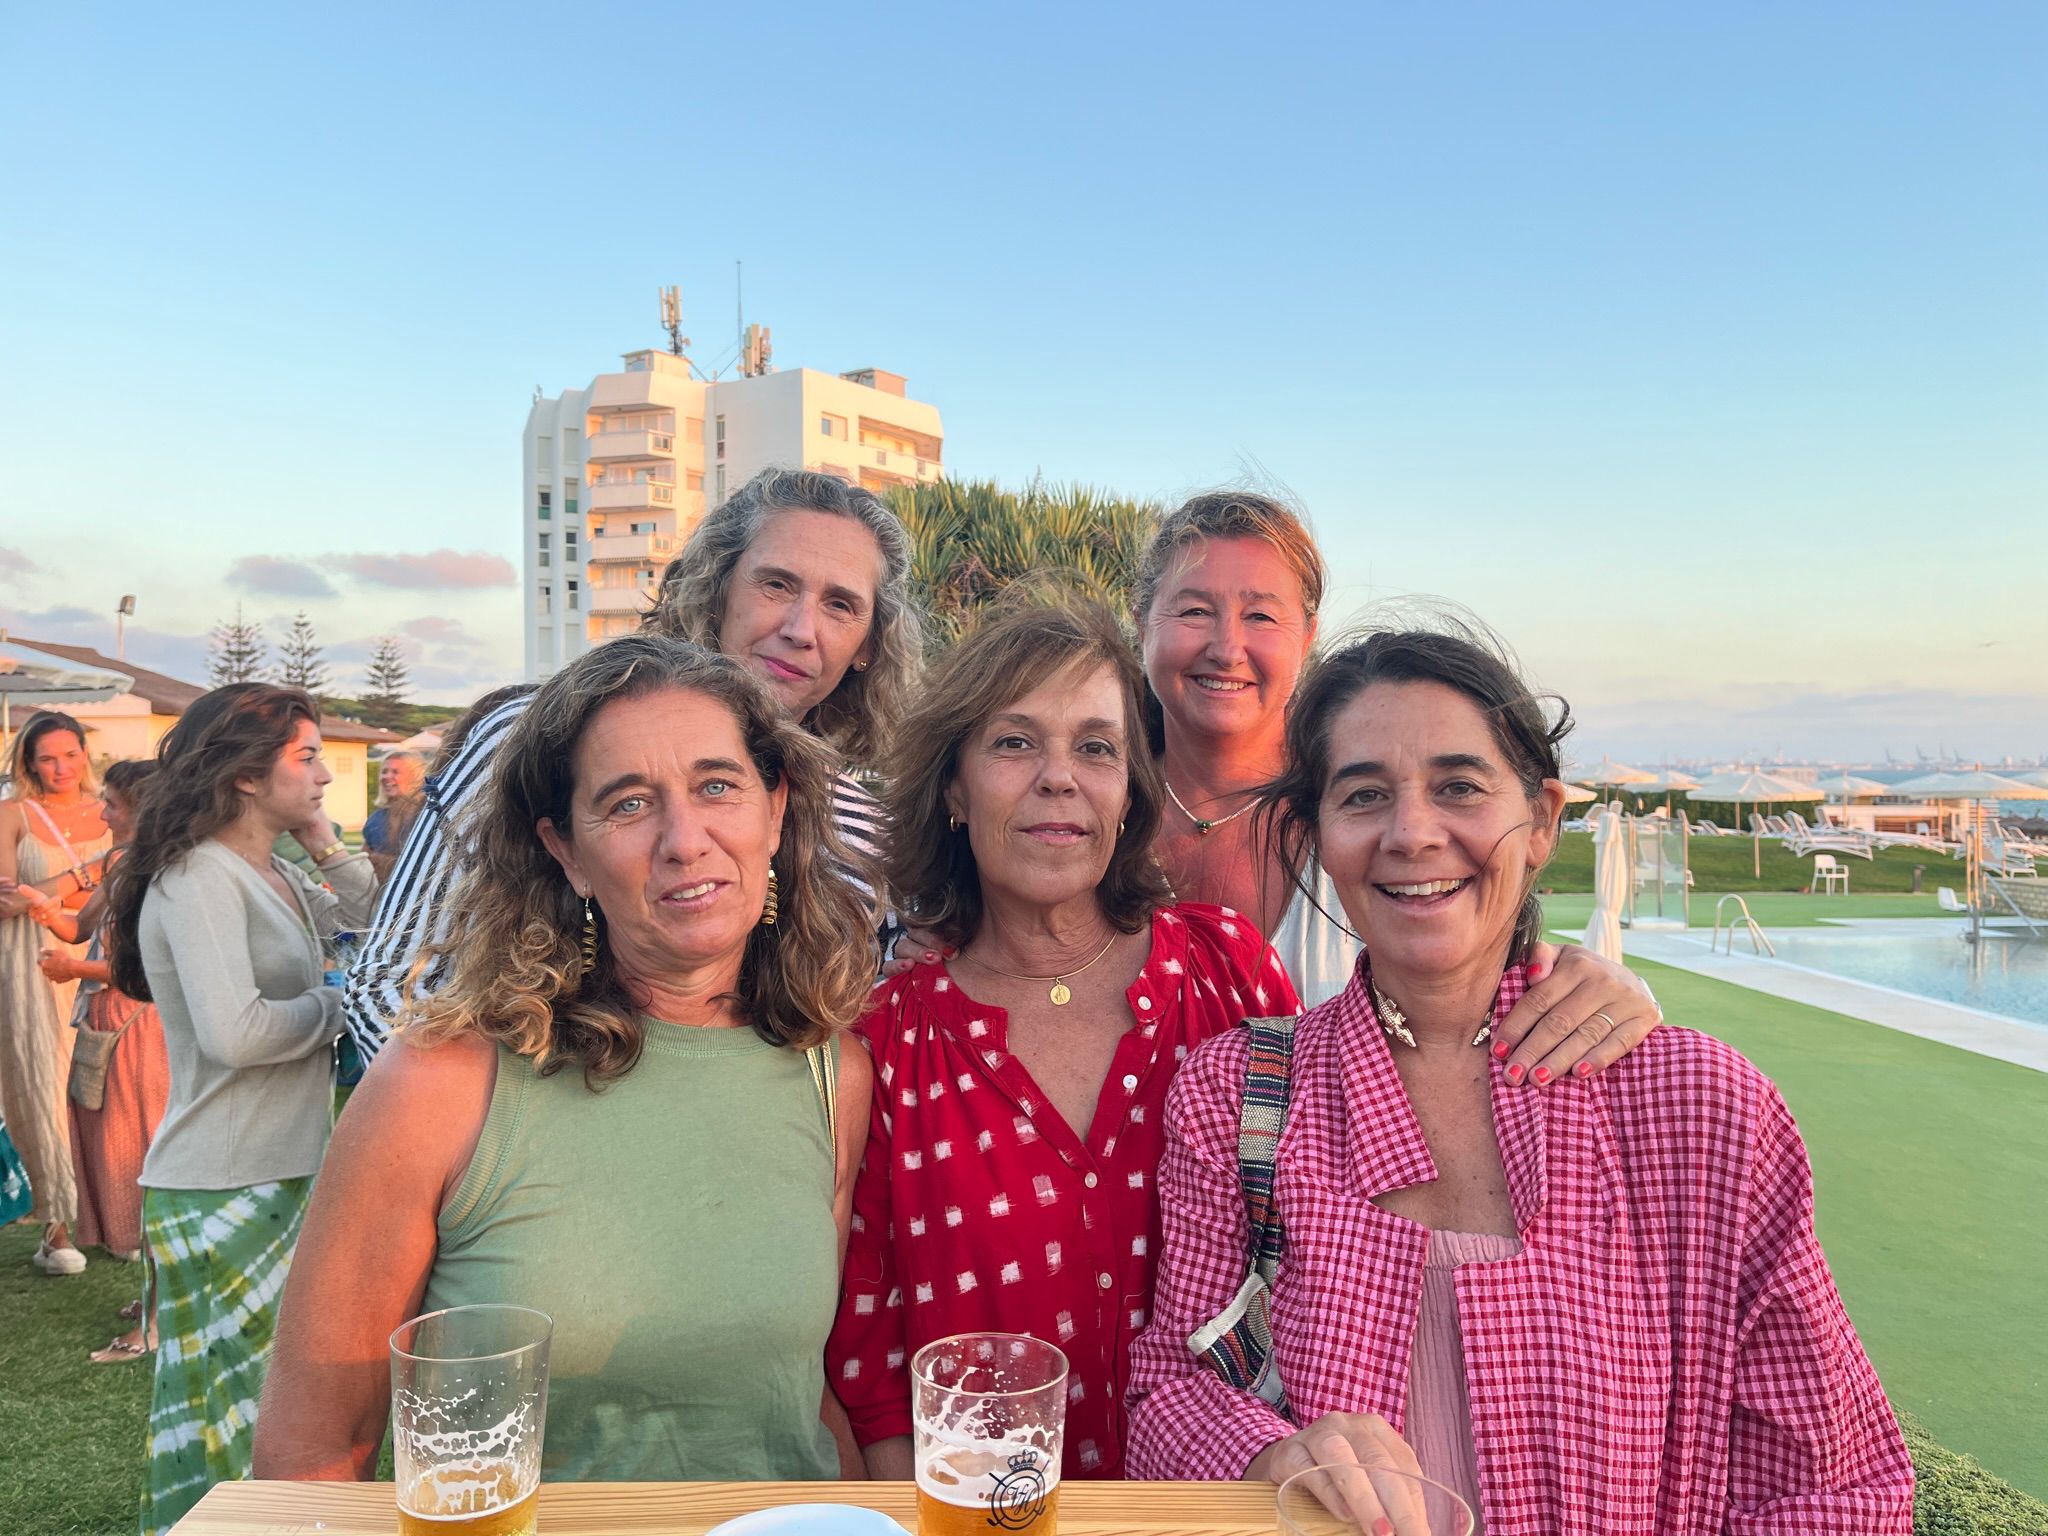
<point>1394,1023</point>
<point>1061,993</point>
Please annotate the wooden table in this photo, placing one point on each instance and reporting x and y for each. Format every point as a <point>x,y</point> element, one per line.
<point>690,1509</point>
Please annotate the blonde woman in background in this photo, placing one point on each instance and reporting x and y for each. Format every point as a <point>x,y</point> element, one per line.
<point>53,844</point>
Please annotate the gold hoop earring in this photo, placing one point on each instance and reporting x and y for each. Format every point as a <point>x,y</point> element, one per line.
<point>952,823</point>
<point>772,908</point>
<point>1119,829</point>
<point>589,936</point>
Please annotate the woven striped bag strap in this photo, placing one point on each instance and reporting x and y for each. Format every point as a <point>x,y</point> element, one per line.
<point>1267,1088</point>
<point>1237,1343</point>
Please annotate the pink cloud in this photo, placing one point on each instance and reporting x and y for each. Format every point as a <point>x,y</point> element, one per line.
<point>437,570</point>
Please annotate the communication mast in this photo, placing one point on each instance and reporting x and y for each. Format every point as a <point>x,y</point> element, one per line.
<point>672,320</point>
<point>755,352</point>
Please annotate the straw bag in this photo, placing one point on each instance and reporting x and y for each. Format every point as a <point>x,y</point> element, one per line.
<point>91,1052</point>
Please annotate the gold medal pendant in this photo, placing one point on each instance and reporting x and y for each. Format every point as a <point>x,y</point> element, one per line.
<point>1061,996</point>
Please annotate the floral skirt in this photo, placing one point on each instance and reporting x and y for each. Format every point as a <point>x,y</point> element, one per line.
<point>220,1257</point>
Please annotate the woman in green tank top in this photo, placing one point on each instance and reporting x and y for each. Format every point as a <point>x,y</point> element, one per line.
<point>625,1108</point>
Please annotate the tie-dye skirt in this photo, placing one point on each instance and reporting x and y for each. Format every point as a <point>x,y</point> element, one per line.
<point>220,1257</point>
<point>15,1198</point>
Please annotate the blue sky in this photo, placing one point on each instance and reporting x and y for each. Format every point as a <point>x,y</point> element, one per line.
<point>1701,351</point>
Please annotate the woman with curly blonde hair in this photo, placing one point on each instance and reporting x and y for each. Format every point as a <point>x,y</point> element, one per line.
<point>801,578</point>
<point>626,1105</point>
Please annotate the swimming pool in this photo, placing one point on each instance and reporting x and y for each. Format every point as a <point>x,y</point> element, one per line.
<point>1927,959</point>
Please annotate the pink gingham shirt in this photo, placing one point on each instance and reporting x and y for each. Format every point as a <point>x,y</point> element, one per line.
<point>1666,1354</point>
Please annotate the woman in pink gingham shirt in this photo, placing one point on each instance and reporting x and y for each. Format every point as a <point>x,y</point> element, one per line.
<point>1600,1310</point>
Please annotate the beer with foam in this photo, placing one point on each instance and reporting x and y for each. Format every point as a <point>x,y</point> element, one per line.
<point>988,1416</point>
<point>482,1499</point>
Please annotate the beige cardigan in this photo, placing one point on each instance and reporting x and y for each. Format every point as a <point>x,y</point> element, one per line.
<point>237,977</point>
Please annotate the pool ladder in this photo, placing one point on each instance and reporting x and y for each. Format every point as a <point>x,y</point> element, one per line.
<point>1757,941</point>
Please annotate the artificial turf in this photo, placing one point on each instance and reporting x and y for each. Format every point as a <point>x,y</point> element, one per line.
<point>1773,909</point>
<point>1928,1166</point>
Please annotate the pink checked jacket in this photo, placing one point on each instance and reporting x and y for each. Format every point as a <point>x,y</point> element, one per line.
<point>1666,1354</point>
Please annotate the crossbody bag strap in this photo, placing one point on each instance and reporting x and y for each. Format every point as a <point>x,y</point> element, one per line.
<point>1268,1086</point>
<point>1237,1343</point>
<point>56,831</point>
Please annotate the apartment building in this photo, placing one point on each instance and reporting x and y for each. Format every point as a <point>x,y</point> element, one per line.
<point>616,475</point>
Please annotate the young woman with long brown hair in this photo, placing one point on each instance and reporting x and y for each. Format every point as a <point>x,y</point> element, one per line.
<point>228,941</point>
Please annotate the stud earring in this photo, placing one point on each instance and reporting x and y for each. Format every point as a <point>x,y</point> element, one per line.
<point>589,936</point>
<point>952,823</point>
<point>772,908</point>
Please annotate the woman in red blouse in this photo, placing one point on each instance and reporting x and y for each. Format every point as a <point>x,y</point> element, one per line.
<point>1597,1310</point>
<point>1019,1086</point>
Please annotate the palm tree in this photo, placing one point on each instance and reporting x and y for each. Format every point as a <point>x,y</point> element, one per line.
<point>970,539</point>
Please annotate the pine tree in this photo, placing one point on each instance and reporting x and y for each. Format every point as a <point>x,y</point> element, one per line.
<point>386,684</point>
<point>237,652</point>
<point>299,663</point>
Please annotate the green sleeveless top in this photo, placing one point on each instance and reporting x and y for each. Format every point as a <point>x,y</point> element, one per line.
<point>677,1226</point>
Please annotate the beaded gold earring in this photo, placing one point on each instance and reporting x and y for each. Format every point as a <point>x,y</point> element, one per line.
<point>589,936</point>
<point>772,908</point>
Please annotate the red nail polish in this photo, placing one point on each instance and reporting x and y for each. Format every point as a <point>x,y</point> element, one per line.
<point>1584,1069</point>
<point>930,956</point>
<point>1542,1076</point>
<point>1514,1073</point>
<point>951,951</point>
<point>1500,1050</point>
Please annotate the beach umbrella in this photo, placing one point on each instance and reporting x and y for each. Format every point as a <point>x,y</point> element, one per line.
<point>1849,786</point>
<point>1611,875</point>
<point>1740,787</point>
<point>1613,775</point>
<point>1578,794</point>
<point>1973,786</point>
<point>1666,782</point>
<point>2038,778</point>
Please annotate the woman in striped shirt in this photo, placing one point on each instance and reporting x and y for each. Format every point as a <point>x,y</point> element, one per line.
<point>800,576</point>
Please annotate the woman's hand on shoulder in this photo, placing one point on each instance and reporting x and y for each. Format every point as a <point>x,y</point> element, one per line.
<point>1580,1015</point>
<point>916,946</point>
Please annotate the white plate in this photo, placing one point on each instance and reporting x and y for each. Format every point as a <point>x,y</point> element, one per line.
<point>810,1520</point>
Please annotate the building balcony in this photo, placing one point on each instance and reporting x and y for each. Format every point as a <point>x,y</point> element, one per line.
<point>907,467</point>
<point>630,495</point>
<point>624,445</point>
<point>645,548</point>
<point>633,600</point>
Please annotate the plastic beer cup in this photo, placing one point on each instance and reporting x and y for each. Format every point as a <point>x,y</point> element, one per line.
<point>988,1418</point>
<point>1353,1500</point>
<point>469,1401</point>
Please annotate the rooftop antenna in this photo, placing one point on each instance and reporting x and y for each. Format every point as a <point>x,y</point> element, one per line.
<point>122,613</point>
<point>672,320</point>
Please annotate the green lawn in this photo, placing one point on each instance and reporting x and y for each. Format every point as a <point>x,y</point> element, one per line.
<point>1773,909</point>
<point>1724,864</point>
<point>74,1431</point>
<point>1928,1167</point>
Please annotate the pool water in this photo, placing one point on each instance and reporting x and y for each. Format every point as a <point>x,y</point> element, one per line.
<point>2000,975</point>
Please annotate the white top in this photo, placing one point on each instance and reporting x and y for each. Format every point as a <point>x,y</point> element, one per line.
<point>1317,951</point>
<point>237,978</point>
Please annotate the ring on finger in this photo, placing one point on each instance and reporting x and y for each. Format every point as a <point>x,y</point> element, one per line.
<point>1601,1013</point>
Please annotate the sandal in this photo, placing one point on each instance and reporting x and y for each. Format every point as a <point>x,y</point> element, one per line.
<point>119,1350</point>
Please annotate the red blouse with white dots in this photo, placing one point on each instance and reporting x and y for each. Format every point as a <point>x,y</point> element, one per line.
<point>978,1207</point>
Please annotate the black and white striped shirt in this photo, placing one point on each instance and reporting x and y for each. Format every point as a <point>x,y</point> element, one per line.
<point>413,912</point>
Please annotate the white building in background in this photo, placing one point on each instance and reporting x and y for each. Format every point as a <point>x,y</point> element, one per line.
<point>617,475</point>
